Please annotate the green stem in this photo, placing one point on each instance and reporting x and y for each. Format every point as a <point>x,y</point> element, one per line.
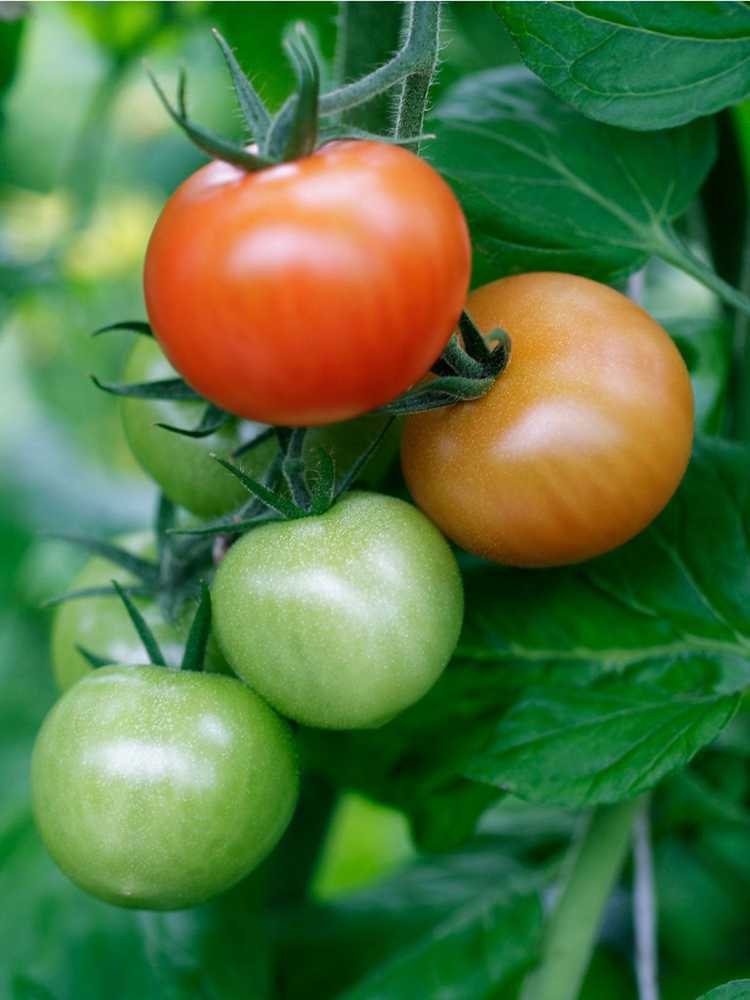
<point>592,871</point>
<point>369,33</point>
<point>412,101</point>
<point>417,55</point>
<point>671,249</point>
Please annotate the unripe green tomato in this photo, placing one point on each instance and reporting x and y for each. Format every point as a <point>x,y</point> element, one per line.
<point>157,789</point>
<point>341,620</point>
<point>102,626</point>
<point>182,466</point>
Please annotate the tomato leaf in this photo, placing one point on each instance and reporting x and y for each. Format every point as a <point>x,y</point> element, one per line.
<point>544,187</point>
<point>474,952</point>
<point>605,741</point>
<point>639,66</point>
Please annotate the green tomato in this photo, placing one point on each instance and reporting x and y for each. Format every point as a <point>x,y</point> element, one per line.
<point>102,625</point>
<point>341,620</point>
<point>183,466</point>
<point>157,789</point>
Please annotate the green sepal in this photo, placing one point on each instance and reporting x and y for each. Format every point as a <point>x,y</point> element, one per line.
<point>362,460</point>
<point>101,591</point>
<point>209,142</point>
<point>194,655</point>
<point>141,626</point>
<point>269,498</point>
<point>175,389</point>
<point>138,326</point>
<point>213,420</point>
<point>247,446</point>
<point>253,109</point>
<point>294,132</point>
<point>291,447</point>
<point>93,659</point>
<point>321,482</point>
<point>445,390</point>
<point>145,570</point>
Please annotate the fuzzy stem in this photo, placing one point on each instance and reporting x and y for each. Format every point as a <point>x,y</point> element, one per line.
<point>594,866</point>
<point>417,55</point>
<point>369,33</point>
<point>410,110</point>
<point>644,909</point>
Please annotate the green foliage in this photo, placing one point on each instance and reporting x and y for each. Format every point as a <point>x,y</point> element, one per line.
<point>738,990</point>
<point>640,66</point>
<point>545,188</point>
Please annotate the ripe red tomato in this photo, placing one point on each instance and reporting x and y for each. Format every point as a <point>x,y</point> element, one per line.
<point>312,291</point>
<point>580,443</point>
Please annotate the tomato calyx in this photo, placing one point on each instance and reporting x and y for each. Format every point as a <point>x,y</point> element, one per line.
<point>295,131</point>
<point>462,373</point>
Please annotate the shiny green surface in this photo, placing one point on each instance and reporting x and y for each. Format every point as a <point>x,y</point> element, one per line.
<point>102,625</point>
<point>343,620</point>
<point>156,790</point>
<point>183,466</point>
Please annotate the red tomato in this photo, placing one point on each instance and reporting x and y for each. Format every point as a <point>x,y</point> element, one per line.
<point>579,444</point>
<point>312,291</point>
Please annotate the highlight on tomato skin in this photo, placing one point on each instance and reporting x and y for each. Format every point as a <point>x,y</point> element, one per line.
<point>312,291</point>
<point>581,442</point>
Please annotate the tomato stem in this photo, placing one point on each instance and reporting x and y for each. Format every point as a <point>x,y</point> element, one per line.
<point>412,101</point>
<point>670,248</point>
<point>591,871</point>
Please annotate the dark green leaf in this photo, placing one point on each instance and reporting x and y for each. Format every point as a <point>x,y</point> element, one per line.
<point>142,627</point>
<point>327,949</point>
<point>639,66</point>
<point>546,188</point>
<point>473,953</point>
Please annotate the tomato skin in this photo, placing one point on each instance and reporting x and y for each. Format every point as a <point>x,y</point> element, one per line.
<point>102,625</point>
<point>183,467</point>
<point>156,790</point>
<point>581,442</point>
<point>343,620</point>
<point>312,291</point>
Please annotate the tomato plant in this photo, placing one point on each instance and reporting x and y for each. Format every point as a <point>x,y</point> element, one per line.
<point>157,789</point>
<point>504,242</point>
<point>310,292</point>
<point>341,620</point>
<point>580,444</point>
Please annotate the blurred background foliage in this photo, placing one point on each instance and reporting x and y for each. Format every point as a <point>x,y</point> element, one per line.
<point>87,158</point>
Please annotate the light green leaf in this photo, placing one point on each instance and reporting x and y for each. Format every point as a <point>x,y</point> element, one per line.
<point>544,187</point>
<point>637,65</point>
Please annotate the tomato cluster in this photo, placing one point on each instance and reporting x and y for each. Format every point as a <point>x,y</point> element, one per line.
<point>308,294</point>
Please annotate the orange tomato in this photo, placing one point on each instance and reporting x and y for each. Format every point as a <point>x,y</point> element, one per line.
<point>579,444</point>
<point>312,291</point>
